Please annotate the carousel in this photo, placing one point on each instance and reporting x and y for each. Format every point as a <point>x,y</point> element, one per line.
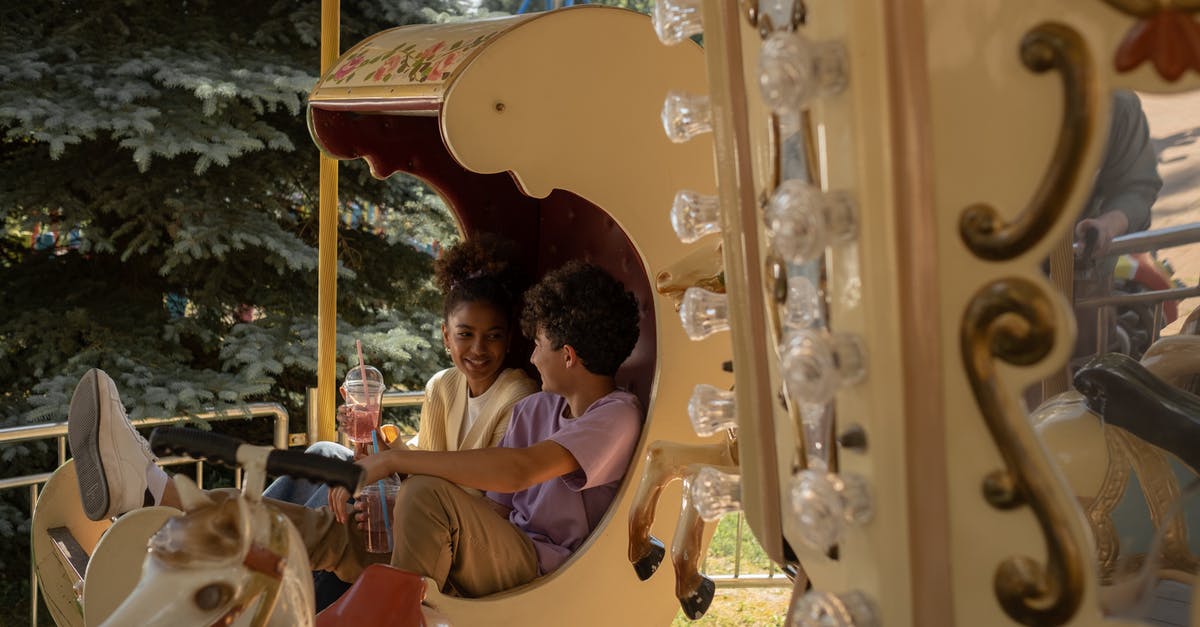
<point>852,231</point>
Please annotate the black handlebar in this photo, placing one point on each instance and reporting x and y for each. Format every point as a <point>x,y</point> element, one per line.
<point>222,450</point>
<point>315,468</point>
<point>214,447</point>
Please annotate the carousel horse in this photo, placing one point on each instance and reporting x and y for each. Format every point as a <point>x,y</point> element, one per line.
<point>1122,431</point>
<point>229,559</point>
<point>667,462</point>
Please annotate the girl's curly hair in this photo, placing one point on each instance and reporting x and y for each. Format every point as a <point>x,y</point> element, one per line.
<point>584,306</point>
<point>480,269</point>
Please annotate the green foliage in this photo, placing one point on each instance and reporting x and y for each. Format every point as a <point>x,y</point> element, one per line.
<point>165,147</point>
<point>723,556</point>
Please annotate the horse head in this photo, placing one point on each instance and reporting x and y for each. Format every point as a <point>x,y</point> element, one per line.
<point>226,561</point>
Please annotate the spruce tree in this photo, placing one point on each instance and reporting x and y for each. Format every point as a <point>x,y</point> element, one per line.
<point>159,197</point>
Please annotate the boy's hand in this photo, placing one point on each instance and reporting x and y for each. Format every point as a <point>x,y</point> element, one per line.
<point>375,467</point>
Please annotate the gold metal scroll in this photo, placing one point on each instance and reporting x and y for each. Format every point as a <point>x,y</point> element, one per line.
<point>1049,46</point>
<point>1012,319</point>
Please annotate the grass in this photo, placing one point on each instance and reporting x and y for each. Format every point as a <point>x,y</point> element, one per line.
<point>740,606</point>
<point>743,607</point>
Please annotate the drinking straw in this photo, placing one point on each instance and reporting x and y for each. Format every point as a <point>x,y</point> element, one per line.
<point>362,374</point>
<point>362,367</point>
<point>382,494</point>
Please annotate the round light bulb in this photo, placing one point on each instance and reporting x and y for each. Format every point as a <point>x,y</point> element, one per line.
<point>826,609</point>
<point>818,508</point>
<point>676,20</point>
<point>816,363</point>
<point>684,116</point>
<point>703,312</point>
<point>712,410</point>
<point>694,215</point>
<point>802,221</point>
<point>793,71</point>
<point>716,493</point>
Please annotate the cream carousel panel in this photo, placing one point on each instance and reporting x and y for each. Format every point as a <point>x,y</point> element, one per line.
<point>546,129</point>
<point>1023,97</point>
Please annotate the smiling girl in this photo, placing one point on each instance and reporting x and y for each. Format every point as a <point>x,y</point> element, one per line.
<point>468,406</point>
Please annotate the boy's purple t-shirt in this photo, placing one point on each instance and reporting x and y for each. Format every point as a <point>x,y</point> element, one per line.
<point>559,514</point>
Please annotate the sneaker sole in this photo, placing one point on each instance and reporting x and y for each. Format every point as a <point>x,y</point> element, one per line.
<point>83,432</point>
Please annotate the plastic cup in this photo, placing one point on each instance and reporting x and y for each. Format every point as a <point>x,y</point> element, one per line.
<point>360,416</point>
<point>379,531</point>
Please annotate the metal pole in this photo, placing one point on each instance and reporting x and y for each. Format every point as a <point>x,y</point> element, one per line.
<point>327,246</point>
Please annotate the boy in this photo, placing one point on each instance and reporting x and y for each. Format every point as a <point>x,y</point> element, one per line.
<point>548,483</point>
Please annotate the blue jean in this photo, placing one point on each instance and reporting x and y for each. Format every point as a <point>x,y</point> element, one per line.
<point>327,586</point>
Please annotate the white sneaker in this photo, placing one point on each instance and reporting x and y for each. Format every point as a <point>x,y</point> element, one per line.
<point>111,458</point>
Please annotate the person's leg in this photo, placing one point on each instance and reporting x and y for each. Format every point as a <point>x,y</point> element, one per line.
<point>302,491</point>
<point>117,474</point>
<point>331,546</point>
<point>458,540</point>
<point>113,463</point>
<point>326,585</point>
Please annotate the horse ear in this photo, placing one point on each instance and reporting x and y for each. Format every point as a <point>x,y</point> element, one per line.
<point>191,496</point>
<point>244,520</point>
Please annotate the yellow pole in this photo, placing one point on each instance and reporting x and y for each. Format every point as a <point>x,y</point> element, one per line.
<point>327,248</point>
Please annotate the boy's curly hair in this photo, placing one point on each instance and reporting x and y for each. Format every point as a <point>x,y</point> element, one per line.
<point>479,269</point>
<point>581,305</point>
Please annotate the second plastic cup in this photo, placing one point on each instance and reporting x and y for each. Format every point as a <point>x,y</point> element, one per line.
<point>360,416</point>
<point>379,533</point>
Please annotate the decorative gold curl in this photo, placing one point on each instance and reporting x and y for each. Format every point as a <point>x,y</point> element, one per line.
<point>1012,320</point>
<point>1049,46</point>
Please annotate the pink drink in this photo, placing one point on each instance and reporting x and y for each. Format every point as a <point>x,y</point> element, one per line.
<point>378,534</point>
<point>359,421</point>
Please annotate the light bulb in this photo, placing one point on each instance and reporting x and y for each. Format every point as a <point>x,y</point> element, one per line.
<point>816,363</point>
<point>712,410</point>
<point>684,116</point>
<point>793,71</point>
<point>716,493</point>
<point>694,215</point>
<point>826,609</point>
<point>818,508</point>
<point>676,20</point>
<point>825,504</point>
<point>801,220</point>
<point>703,312</point>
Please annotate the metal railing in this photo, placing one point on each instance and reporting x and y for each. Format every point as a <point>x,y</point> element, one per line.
<point>773,578</point>
<point>1144,241</point>
<point>1157,239</point>
<point>58,431</point>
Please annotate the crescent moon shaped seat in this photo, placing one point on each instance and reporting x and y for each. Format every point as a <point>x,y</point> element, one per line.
<point>544,129</point>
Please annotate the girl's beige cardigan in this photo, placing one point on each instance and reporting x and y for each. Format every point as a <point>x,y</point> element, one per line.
<point>445,408</point>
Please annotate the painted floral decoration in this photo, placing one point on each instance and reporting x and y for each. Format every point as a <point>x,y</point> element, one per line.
<point>435,62</point>
<point>1165,33</point>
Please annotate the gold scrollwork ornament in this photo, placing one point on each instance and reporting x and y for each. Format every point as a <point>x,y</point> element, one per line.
<point>1012,319</point>
<point>1049,46</point>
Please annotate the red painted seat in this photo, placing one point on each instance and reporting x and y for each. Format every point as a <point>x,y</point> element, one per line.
<point>382,595</point>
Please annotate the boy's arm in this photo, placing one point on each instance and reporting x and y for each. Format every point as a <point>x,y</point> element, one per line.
<point>496,469</point>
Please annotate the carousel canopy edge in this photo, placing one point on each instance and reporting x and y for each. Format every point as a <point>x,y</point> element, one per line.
<point>407,68</point>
